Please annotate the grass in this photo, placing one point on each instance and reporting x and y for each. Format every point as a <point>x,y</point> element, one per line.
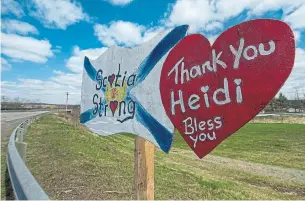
<point>272,144</point>
<point>3,170</point>
<point>71,163</point>
<point>6,187</point>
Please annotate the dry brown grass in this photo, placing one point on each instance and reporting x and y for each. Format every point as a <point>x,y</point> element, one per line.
<point>280,119</point>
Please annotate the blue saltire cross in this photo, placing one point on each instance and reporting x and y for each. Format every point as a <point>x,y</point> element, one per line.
<point>162,135</point>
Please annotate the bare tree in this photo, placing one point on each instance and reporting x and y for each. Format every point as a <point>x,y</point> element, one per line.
<point>37,100</point>
<point>297,96</point>
<point>298,100</point>
<point>303,99</point>
<point>5,99</point>
<point>4,102</point>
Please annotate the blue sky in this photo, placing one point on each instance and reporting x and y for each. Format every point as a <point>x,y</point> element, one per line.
<point>43,42</point>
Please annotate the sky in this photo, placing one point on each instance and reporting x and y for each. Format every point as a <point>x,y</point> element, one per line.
<point>43,42</point>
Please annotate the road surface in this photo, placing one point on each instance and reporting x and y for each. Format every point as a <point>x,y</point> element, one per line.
<point>10,120</point>
<point>11,116</point>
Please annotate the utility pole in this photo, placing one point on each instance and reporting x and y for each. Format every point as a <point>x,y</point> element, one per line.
<point>67,93</point>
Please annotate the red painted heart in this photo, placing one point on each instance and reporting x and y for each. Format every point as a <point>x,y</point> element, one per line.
<point>211,92</point>
<point>113,106</point>
<point>111,79</point>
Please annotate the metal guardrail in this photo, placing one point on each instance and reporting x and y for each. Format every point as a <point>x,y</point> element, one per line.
<point>24,184</point>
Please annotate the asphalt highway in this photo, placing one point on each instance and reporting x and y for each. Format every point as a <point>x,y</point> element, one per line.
<point>10,120</point>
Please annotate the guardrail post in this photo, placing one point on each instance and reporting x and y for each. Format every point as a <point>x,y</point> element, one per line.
<point>25,125</point>
<point>21,148</point>
<point>20,145</point>
<point>20,133</point>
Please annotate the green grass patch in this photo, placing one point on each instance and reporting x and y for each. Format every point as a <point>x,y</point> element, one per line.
<point>71,163</point>
<point>272,144</point>
<point>3,171</point>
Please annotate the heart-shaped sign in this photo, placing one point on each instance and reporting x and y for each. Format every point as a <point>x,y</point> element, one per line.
<point>211,92</point>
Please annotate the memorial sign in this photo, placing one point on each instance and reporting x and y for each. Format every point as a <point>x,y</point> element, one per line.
<point>120,91</point>
<point>210,91</point>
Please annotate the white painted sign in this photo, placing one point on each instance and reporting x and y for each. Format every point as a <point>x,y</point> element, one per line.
<point>121,94</point>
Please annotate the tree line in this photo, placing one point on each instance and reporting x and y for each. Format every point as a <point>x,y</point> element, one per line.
<point>8,103</point>
<point>282,104</point>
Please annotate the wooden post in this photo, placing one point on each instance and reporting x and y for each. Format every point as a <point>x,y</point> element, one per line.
<point>144,169</point>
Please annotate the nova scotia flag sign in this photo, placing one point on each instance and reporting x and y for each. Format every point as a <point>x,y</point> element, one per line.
<point>121,94</point>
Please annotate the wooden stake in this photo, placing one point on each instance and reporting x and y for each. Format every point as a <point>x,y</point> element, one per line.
<point>144,169</point>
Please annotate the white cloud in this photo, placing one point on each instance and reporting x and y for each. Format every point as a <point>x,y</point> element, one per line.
<point>19,27</point>
<point>57,49</point>
<point>296,19</point>
<point>69,79</point>
<point>25,48</point>
<point>297,35</point>
<point>119,32</point>
<point>8,84</point>
<point>213,26</point>
<point>76,61</point>
<point>53,89</point>
<point>47,91</point>
<point>296,79</point>
<point>62,82</point>
<point>5,65</point>
<point>212,38</point>
<point>200,14</point>
<point>260,7</point>
<point>196,13</point>
<point>300,57</point>
<point>120,2</point>
<point>53,86</point>
<point>57,13</point>
<point>124,33</point>
<point>11,7</point>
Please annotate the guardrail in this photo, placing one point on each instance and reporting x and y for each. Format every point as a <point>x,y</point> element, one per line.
<point>24,184</point>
